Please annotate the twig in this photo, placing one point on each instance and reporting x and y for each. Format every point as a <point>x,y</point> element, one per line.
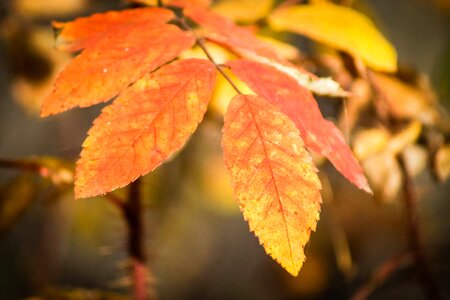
<point>24,165</point>
<point>382,273</point>
<point>132,211</point>
<point>426,277</point>
<point>201,43</point>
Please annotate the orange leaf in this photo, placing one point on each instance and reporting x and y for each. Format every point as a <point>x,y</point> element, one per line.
<point>86,32</point>
<point>295,101</point>
<point>120,58</point>
<point>146,124</point>
<point>275,181</point>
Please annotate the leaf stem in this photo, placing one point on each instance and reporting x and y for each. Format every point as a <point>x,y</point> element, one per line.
<point>201,43</point>
<point>132,212</point>
<point>382,273</point>
<point>426,277</point>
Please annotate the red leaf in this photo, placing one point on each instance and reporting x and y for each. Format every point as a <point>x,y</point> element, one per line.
<point>86,32</point>
<point>146,124</point>
<point>295,101</point>
<point>275,181</point>
<point>120,58</point>
<point>223,31</point>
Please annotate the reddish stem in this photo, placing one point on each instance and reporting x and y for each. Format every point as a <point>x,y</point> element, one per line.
<point>426,277</point>
<point>132,211</point>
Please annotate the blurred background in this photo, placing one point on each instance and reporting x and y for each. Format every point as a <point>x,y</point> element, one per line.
<point>198,245</point>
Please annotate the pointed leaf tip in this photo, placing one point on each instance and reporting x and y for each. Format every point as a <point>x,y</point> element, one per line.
<point>275,181</point>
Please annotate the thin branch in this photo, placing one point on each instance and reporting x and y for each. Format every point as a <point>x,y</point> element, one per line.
<point>426,277</point>
<point>116,201</point>
<point>160,3</point>
<point>382,273</point>
<point>201,43</point>
<point>24,165</point>
<point>132,212</point>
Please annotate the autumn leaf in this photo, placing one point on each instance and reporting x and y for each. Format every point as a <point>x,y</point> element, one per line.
<point>146,124</point>
<point>247,45</point>
<point>87,31</point>
<point>406,101</point>
<point>115,61</point>
<point>244,10</point>
<point>319,135</point>
<point>274,179</point>
<point>224,32</point>
<point>338,27</point>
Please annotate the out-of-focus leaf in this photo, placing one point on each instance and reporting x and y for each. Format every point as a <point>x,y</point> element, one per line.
<point>404,138</point>
<point>376,140</point>
<point>224,92</point>
<point>48,8</point>
<point>406,101</point>
<point>369,142</point>
<point>202,3</point>
<point>384,175</point>
<point>274,179</point>
<point>416,159</point>
<point>287,51</point>
<point>442,162</point>
<point>15,198</point>
<point>378,150</point>
<point>30,93</point>
<point>247,11</point>
<point>339,27</point>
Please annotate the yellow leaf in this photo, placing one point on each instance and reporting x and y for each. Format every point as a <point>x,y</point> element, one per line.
<point>384,175</point>
<point>369,142</point>
<point>275,181</point>
<point>442,162</point>
<point>341,28</point>
<point>15,199</point>
<point>244,10</point>
<point>404,138</point>
<point>406,101</point>
<point>45,8</point>
<point>287,51</point>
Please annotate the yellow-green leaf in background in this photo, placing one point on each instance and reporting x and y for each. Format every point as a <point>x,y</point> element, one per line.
<point>442,162</point>
<point>15,199</point>
<point>339,27</point>
<point>246,11</point>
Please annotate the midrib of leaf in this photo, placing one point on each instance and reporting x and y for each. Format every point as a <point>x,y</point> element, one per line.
<point>273,180</point>
<point>150,123</point>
